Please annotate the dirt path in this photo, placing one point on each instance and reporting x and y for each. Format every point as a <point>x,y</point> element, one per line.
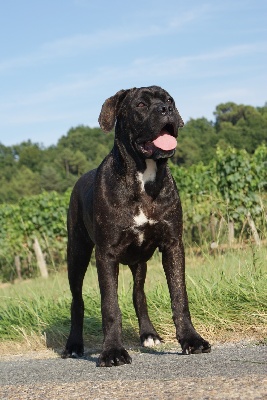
<point>229,372</point>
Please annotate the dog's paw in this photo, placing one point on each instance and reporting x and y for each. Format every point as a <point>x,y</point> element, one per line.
<point>114,357</point>
<point>195,346</point>
<point>150,340</point>
<point>73,351</point>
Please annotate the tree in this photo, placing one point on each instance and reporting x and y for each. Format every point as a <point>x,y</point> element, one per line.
<point>64,160</point>
<point>50,179</point>
<point>196,142</point>
<point>8,163</point>
<point>31,157</point>
<point>86,140</point>
<point>23,183</point>
<point>78,163</point>
<point>244,127</point>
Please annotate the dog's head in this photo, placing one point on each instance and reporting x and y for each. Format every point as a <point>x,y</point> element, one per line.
<point>147,121</point>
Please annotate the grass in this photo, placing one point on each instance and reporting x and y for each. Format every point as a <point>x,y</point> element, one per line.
<point>227,296</point>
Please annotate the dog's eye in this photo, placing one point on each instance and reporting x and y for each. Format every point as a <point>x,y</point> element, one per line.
<point>141,104</point>
<point>170,100</point>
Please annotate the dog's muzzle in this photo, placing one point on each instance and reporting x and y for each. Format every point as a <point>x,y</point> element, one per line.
<point>162,146</point>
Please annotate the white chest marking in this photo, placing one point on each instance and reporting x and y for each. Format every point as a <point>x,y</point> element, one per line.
<point>139,220</point>
<point>149,175</point>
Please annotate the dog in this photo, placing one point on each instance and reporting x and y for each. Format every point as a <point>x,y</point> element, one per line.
<point>127,208</point>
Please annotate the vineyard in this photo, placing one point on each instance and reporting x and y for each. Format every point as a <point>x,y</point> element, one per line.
<point>224,203</point>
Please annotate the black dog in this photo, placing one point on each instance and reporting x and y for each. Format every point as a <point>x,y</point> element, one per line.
<point>127,208</point>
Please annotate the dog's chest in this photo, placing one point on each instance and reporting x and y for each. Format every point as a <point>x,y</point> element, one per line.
<point>142,226</point>
<point>149,175</point>
<point>145,217</point>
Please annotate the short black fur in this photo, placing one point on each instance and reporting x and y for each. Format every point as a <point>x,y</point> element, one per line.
<point>126,215</point>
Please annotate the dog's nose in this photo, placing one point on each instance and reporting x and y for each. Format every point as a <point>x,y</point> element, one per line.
<point>165,109</point>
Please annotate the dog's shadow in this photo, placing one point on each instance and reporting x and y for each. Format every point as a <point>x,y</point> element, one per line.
<point>92,355</point>
<point>56,336</point>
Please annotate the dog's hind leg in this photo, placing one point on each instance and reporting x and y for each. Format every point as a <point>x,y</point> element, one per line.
<point>148,335</point>
<point>80,248</point>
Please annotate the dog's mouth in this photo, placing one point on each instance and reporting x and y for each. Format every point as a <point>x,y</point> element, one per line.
<point>163,145</point>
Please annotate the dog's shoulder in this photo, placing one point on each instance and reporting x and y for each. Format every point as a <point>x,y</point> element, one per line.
<point>85,181</point>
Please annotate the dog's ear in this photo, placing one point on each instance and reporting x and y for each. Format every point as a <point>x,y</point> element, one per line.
<point>180,119</point>
<point>110,109</point>
<point>181,122</point>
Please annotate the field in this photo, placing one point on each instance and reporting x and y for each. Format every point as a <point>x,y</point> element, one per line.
<point>227,295</point>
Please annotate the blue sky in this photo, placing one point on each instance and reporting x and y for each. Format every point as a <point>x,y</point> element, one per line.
<point>60,59</point>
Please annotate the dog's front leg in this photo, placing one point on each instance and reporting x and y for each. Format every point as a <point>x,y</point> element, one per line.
<point>174,266</point>
<point>113,351</point>
<point>148,335</point>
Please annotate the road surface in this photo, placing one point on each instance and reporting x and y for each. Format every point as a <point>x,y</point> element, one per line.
<point>232,371</point>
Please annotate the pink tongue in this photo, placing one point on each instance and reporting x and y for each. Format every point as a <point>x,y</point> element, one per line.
<point>165,142</point>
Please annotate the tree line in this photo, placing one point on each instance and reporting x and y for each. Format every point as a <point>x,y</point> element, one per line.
<point>29,168</point>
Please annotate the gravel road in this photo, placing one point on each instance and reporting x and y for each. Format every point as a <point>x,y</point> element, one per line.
<point>232,371</point>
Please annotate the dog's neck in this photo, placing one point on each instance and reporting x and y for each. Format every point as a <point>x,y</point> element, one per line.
<point>151,179</point>
<point>148,174</point>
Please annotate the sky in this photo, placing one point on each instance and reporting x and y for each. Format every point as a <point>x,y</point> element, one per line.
<point>60,59</point>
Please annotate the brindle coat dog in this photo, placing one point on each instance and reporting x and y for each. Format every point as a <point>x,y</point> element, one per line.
<point>127,208</point>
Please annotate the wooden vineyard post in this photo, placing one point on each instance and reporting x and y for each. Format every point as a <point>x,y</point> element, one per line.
<point>253,229</point>
<point>213,226</point>
<point>18,266</point>
<point>40,258</point>
<point>231,232</point>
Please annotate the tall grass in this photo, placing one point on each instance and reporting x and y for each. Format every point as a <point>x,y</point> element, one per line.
<point>227,296</point>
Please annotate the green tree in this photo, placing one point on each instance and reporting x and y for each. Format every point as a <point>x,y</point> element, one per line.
<point>196,142</point>
<point>50,179</point>
<point>91,142</point>
<point>78,163</point>
<point>244,127</point>
<point>31,157</point>
<point>64,160</point>
<point>8,163</point>
<point>23,183</point>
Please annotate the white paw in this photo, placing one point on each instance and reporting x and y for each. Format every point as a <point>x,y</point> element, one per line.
<point>150,342</point>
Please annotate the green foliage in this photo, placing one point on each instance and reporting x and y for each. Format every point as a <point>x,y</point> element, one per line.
<point>30,156</point>
<point>241,179</point>
<point>197,187</point>
<point>91,142</point>
<point>29,168</point>
<point>243,127</point>
<point>42,216</point>
<point>230,186</point>
<point>229,182</point>
<point>196,143</point>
